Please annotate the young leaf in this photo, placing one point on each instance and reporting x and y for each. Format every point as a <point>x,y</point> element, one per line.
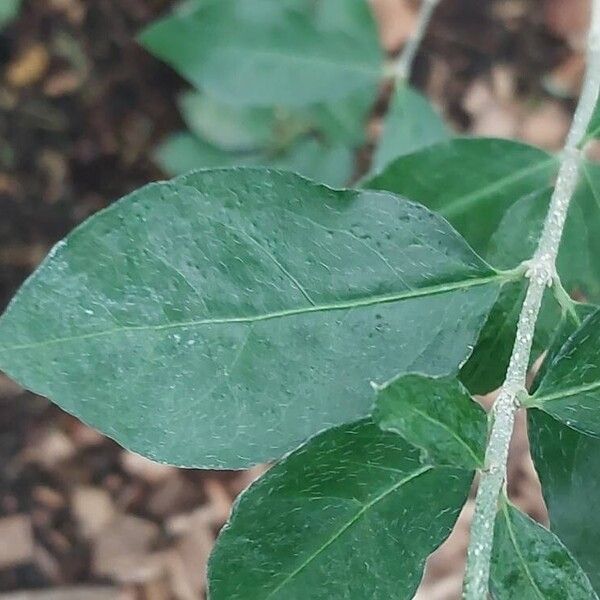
<point>567,462</point>
<point>470,181</point>
<point>352,514</point>
<point>530,562</point>
<point>437,415</point>
<point>410,125</point>
<point>225,48</point>
<point>570,389</point>
<point>242,309</point>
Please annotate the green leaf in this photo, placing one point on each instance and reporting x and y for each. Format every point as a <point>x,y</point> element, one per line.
<point>9,9</point>
<point>486,368</point>
<point>470,181</point>
<point>182,152</point>
<point>568,323</point>
<point>332,165</point>
<point>593,131</point>
<point>570,389</point>
<point>520,229</point>
<point>226,49</point>
<point>567,462</point>
<point>530,562</point>
<point>411,124</point>
<point>228,128</point>
<point>496,193</point>
<point>220,319</point>
<point>352,514</point>
<point>437,415</point>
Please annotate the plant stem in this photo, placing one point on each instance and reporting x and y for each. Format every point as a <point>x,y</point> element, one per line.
<point>402,68</point>
<point>541,273</point>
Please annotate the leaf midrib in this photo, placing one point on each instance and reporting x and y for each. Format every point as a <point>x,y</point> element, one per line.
<point>540,400</point>
<point>347,526</point>
<point>433,290</point>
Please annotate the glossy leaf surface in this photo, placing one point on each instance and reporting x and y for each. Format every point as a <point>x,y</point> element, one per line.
<point>352,514</point>
<point>570,389</point>
<point>531,563</point>
<point>437,415</point>
<point>567,462</point>
<point>410,125</point>
<point>246,53</point>
<point>242,309</point>
<point>470,181</point>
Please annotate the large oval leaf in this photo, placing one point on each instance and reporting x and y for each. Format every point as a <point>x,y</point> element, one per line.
<point>353,514</point>
<point>221,319</point>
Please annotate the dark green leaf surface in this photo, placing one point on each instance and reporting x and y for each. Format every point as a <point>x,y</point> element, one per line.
<point>570,389</point>
<point>531,563</point>
<point>520,229</point>
<point>245,54</point>
<point>352,514</point>
<point>221,319</point>
<point>437,415</point>
<point>593,131</point>
<point>497,196</point>
<point>486,368</point>
<point>567,463</point>
<point>410,125</point>
<point>470,181</point>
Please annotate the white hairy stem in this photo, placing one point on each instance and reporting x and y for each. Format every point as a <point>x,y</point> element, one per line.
<point>402,68</point>
<point>541,272</point>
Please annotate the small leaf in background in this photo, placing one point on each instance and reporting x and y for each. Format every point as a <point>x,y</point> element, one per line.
<point>567,462</point>
<point>225,49</point>
<point>183,152</point>
<point>570,389</point>
<point>437,415</point>
<point>530,562</point>
<point>411,124</point>
<point>245,309</point>
<point>9,9</point>
<point>228,128</point>
<point>352,514</point>
<point>470,181</point>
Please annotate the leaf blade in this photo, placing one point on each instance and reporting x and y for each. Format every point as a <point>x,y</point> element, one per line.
<point>189,302</point>
<point>437,415</point>
<point>352,549</point>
